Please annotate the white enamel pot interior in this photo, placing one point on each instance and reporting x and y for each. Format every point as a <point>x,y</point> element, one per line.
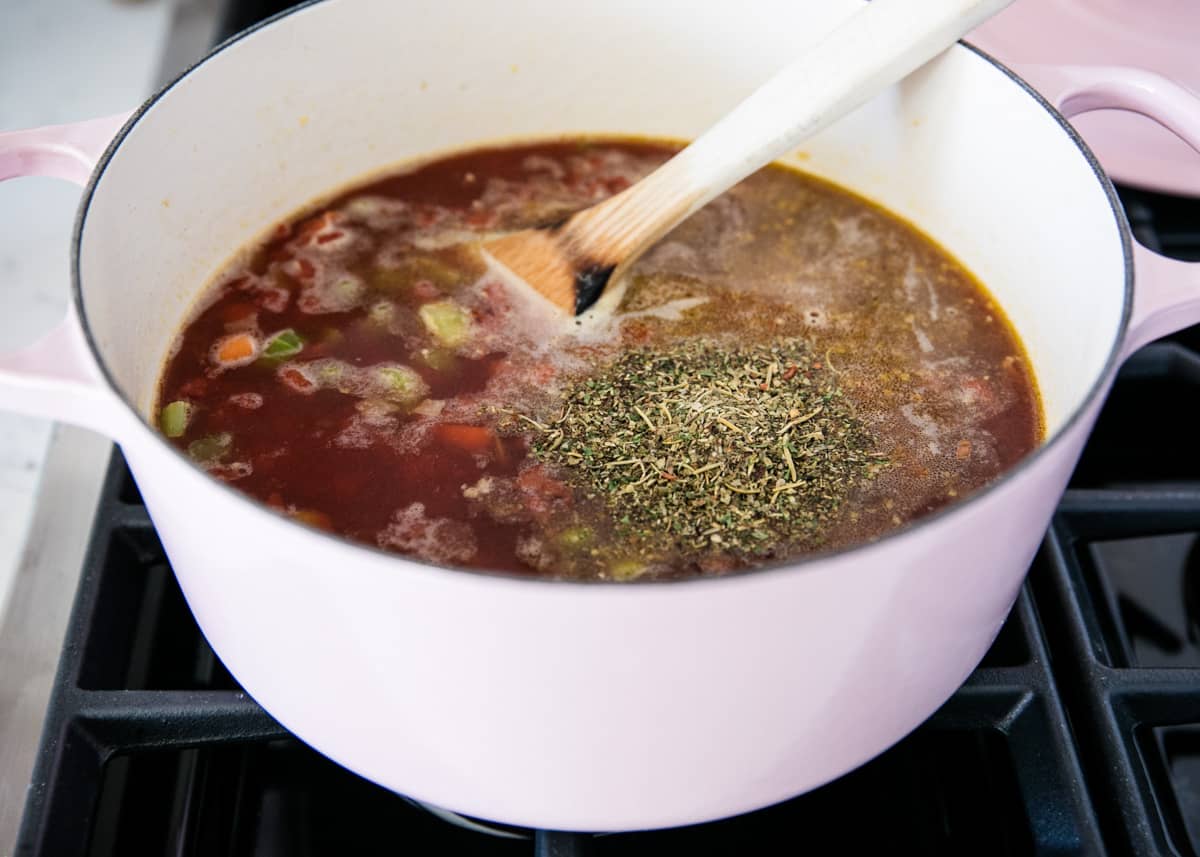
<point>572,706</point>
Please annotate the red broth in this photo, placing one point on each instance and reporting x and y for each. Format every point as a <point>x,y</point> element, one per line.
<point>361,370</point>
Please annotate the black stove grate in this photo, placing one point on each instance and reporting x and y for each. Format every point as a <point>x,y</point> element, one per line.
<point>1078,735</point>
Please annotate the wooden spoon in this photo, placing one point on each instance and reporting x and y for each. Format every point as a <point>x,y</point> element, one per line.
<point>571,262</point>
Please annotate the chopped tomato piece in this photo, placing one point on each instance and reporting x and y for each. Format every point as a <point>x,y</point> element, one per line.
<point>272,298</point>
<point>194,388</point>
<point>543,494</point>
<point>467,438</point>
<point>481,218</point>
<point>428,216</point>
<point>542,373</point>
<point>313,226</point>
<point>977,392</point>
<point>238,311</point>
<point>297,380</point>
<point>425,290</point>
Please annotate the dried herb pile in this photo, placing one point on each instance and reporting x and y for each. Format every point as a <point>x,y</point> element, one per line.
<point>704,444</point>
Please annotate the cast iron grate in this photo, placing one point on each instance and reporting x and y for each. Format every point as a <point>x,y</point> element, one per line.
<point>1121,567</point>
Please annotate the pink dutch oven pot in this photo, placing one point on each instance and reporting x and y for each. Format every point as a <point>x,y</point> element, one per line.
<point>566,705</point>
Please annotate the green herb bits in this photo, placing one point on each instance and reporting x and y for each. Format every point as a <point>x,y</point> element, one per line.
<point>709,445</point>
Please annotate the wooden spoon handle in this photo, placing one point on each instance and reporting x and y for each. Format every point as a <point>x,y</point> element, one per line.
<point>873,48</point>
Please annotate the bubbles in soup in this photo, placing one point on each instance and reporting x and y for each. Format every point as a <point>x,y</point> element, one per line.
<point>792,370</point>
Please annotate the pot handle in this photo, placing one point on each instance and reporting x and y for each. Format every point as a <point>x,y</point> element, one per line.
<point>1166,296</point>
<point>56,376</point>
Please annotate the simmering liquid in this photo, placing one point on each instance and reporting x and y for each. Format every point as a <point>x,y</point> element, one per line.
<point>362,370</point>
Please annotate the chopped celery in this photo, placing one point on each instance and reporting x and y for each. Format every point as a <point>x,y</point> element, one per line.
<point>348,290</point>
<point>436,271</point>
<point>285,343</point>
<point>400,384</point>
<point>575,538</point>
<point>174,418</point>
<point>447,321</point>
<point>382,313</point>
<point>328,371</point>
<point>626,569</point>
<point>210,449</point>
<point>441,359</point>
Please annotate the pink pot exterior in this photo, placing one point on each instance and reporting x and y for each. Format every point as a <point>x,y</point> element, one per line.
<point>1155,35</point>
<point>573,706</point>
<point>601,707</point>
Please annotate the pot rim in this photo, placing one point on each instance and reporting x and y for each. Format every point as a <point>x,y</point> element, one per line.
<point>797,565</point>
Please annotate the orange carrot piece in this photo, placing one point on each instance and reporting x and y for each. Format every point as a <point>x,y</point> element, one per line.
<point>237,347</point>
<point>467,438</point>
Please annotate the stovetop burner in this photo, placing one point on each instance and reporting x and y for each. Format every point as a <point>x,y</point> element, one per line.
<point>1078,734</point>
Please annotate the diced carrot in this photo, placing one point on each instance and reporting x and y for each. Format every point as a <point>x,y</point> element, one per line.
<point>467,438</point>
<point>239,346</point>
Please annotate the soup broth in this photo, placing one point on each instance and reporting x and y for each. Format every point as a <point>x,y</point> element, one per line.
<point>792,370</point>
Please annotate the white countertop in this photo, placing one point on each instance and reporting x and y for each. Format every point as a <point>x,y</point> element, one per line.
<point>60,61</point>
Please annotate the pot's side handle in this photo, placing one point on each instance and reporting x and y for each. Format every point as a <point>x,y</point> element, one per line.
<point>1167,292</point>
<point>56,376</point>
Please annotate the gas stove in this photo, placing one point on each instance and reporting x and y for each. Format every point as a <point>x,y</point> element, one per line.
<point>1078,734</point>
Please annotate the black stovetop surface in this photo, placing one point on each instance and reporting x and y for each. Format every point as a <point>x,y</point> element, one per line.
<point>1079,733</point>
